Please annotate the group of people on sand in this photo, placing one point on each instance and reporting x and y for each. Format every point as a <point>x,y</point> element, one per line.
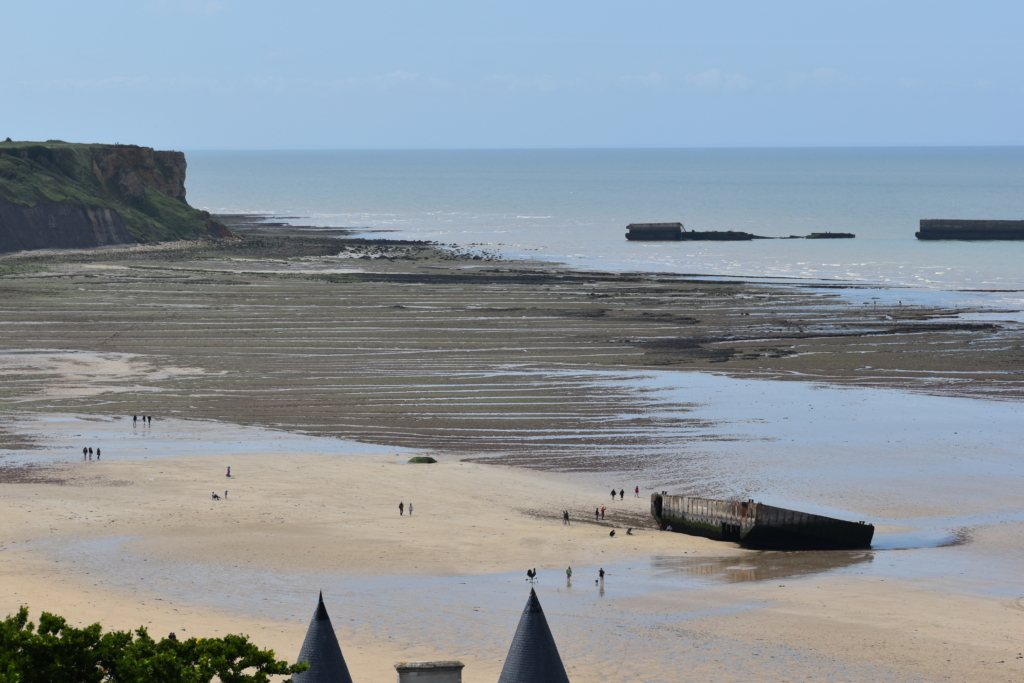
<point>145,419</point>
<point>621,493</point>
<point>401,508</point>
<point>531,576</point>
<point>600,512</point>
<point>213,495</point>
<point>87,453</point>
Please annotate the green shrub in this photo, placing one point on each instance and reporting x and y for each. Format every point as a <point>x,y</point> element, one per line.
<point>59,653</point>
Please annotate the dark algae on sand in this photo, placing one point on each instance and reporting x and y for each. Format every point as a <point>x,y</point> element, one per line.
<point>56,194</point>
<point>757,525</point>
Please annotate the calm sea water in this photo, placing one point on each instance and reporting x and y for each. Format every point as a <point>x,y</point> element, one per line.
<point>573,206</point>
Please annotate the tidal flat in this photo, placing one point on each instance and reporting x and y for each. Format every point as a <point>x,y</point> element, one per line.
<point>316,366</point>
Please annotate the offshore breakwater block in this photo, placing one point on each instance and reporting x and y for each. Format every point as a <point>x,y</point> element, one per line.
<point>949,229</point>
<point>654,231</point>
<point>666,232</point>
<point>831,236</point>
<point>720,236</point>
<point>756,525</point>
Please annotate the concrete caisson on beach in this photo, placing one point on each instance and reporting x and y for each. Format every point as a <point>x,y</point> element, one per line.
<point>757,525</point>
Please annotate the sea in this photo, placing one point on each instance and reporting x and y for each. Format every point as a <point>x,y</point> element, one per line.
<point>572,206</point>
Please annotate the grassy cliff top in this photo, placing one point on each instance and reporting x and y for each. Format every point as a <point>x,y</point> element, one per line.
<point>50,143</point>
<point>144,186</point>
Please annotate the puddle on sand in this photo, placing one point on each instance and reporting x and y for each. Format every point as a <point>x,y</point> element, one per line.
<point>63,436</point>
<point>761,566</point>
<point>451,617</point>
<point>284,595</point>
<point>919,538</point>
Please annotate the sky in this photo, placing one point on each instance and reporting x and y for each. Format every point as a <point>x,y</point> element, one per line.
<point>228,74</point>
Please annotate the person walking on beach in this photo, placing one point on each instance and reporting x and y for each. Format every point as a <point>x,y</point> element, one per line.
<point>600,574</point>
<point>228,473</point>
<point>568,576</point>
<point>410,509</point>
<point>90,453</point>
<point>597,515</point>
<point>85,452</point>
<point>135,420</point>
<point>150,418</point>
<point>613,494</point>
<point>622,494</point>
<point>602,513</point>
<point>225,495</point>
<point>97,453</point>
<point>401,509</point>
<point>637,491</point>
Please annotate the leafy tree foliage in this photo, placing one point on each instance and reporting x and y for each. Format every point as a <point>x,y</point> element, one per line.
<point>56,652</point>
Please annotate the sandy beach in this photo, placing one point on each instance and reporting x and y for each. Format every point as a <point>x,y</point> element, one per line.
<point>294,524</point>
<point>316,377</point>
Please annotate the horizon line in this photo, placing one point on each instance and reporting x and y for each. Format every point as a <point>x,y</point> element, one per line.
<point>592,148</point>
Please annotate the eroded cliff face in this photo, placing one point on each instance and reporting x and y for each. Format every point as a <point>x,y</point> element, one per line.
<point>128,169</point>
<point>61,195</point>
<point>55,225</point>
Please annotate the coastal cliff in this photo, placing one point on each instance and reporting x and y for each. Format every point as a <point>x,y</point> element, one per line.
<point>65,195</point>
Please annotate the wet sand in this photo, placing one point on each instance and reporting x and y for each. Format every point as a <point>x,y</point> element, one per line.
<point>411,345</point>
<point>574,379</point>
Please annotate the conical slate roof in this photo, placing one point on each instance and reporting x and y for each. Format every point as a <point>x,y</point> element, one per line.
<point>321,650</point>
<point>533,657</point>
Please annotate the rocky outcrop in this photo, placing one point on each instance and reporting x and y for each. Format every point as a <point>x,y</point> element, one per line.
<point>61,195</point>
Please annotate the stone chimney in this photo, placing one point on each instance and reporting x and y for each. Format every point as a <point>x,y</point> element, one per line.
<point>429,672</point>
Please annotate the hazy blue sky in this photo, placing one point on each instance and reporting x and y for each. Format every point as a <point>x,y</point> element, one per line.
<point>227,74</point>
